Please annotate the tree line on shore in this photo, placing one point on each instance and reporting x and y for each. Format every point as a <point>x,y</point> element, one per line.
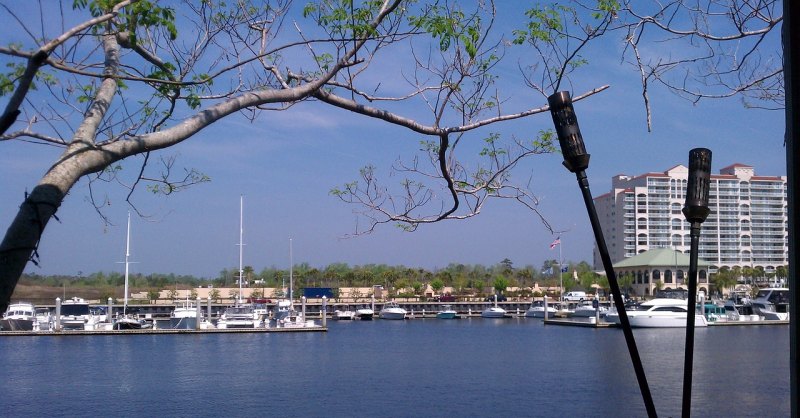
<point>462,278</point>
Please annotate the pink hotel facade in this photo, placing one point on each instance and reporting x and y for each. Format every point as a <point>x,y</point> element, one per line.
<point>747,227</point>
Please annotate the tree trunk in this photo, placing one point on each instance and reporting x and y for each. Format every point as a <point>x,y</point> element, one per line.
<point>22,238</point>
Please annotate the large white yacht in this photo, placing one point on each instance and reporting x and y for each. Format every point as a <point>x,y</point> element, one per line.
<point>241,316</point>
<point>184,316</point>
<point>659,313</point>
<point>772,303</point>
<point>18,317</point>
<point>76,315</point>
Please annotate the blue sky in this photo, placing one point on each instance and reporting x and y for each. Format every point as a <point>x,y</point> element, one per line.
<point>285,164</point>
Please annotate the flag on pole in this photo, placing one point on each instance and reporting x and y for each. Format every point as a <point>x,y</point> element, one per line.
<point>555,243</point>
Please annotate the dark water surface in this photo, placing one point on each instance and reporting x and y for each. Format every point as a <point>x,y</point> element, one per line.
<point>416,368</point>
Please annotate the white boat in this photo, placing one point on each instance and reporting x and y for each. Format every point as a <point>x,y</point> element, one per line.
<point>344,314</point>
<point>365,313</point>
<point>772,303</point>
<point>586,310</point>
<point>391,310</point>
<point>286,317</point>
<point>184,316</point>
<point>537,310</point>
<point>659,313</point>
<point>19,316</point>
<point>770,315</point>
<point>297,321</point>
<point>446,312</point>
<point>43,319</point>
<point>240,316</point>
<point>76,315</point>
<point>494,311</point>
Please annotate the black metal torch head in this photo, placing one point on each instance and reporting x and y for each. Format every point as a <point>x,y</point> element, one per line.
<point>696,207</point>
<point>569,134</point>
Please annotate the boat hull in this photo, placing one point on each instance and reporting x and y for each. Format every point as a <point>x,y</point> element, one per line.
<point>775,316</point>
<point>664,321</point>
<point>446,315</point>
<point>183,323</point>
<point>587,313</point>
<point>539,313</point>
<point>127,325</point>
<point>393,315</point>
<point>238,323</point>
<point>12,324</point>
<point>493,313</point>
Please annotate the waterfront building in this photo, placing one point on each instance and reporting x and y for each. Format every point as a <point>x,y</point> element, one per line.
<point>661,269</point>
<point>747,226</point>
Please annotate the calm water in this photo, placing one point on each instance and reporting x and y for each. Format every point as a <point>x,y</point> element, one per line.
<point>465,368</point>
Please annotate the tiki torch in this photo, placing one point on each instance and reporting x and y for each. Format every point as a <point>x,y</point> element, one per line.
<point>696,211</point>
<point>576,160</point>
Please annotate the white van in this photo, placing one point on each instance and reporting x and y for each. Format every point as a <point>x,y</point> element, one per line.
<point>575,296</point>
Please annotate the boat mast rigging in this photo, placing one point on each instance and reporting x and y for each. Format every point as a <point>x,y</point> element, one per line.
<point>127,263</point>
<point>241,245</point>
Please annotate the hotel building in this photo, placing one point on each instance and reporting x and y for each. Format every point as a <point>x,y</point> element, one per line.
<point>747,226</point>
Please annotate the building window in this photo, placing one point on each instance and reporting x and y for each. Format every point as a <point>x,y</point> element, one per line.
<point>667,276</point>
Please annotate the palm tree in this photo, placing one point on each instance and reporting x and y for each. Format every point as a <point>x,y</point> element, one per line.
<point>723,280</point>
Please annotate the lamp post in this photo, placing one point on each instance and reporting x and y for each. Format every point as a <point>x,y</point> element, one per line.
<point>576,160</point>
<point>696,211</point>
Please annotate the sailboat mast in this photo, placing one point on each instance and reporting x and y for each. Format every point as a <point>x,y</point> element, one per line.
<point>241,243</point>
<point>127,256</point>
<point>560,273</point>
<point>291,265</point>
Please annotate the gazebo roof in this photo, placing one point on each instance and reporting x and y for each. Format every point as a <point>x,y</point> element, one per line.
<point>661,257</point>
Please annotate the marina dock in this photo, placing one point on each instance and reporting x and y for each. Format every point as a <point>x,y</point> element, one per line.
<point>151,331</point>
<point>573,322</point>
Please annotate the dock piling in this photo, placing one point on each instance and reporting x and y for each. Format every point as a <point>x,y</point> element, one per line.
<point>208,309</point>
<point>323,312</point>
<point>303,302</point>
<point>58,314</point>
<point>199,313</point>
